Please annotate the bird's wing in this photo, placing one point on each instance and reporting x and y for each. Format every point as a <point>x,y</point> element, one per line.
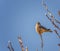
<point>43,27</point>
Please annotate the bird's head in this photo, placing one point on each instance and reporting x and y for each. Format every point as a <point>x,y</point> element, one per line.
<point>38,24</point>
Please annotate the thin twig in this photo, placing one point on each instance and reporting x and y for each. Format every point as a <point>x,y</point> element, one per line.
<point>59,12</point>
<point>21,43</point>
<point>57,21</point>
<point>52,21</point>
<point>36,49</point>
<point>49,12</point>
<point>10,46</point>
<point>26,48</point>
<point>41,42</point>
<point>57,33</point>
<point>59,46</point>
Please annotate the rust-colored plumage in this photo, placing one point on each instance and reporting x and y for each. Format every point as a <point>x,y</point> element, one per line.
<point>40,29</point>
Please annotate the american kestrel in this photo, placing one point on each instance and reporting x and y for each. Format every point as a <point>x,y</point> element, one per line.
<point>40,29</point>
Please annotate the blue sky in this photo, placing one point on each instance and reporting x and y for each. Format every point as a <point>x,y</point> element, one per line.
<point>18,17</point>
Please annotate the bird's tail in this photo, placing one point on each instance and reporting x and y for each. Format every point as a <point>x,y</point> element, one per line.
<point>49,30</point>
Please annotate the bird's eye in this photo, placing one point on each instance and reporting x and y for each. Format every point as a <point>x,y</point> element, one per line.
<point>39,23</point>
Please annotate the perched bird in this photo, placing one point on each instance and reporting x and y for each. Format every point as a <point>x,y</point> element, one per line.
<point>40,29</point>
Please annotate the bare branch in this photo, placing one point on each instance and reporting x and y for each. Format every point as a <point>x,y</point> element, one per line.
<point>57,33</point>
<point>52,21</point>
<point>37,49</point>
<point>41,42</point>
<point>57,21</point>
<point>26,48</point>
<point>50,13</point>
<point>58,44</point>
<point>59,12</point>
<point>21,43</point>
<point>44,5</point>
<point>10,46</point>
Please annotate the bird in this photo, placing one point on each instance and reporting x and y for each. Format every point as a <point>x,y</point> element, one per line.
<point>41,29</point>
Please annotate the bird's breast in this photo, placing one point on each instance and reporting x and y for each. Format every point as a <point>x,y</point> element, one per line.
<point>38,30</point>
